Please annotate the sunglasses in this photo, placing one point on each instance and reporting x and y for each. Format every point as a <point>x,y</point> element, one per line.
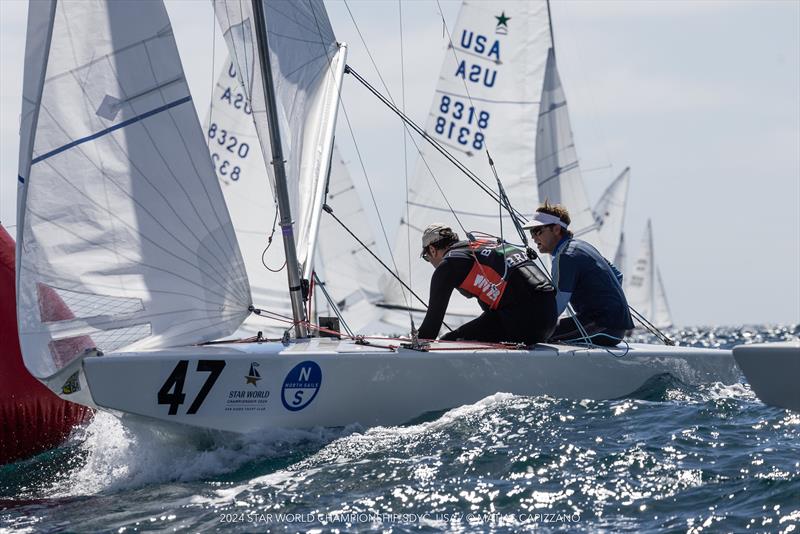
<point>425,255</point>
<point>536,230</point>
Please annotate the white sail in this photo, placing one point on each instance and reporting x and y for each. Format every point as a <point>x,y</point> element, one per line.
<point>487,97</point>
<point>621,255</point>
<point>120,212</point>
<point>307,68</point>
<point>609,216</point>
<point>346,269</point>
<point>350,273</point>
<point>239,163</point>
<point>557,170</point>
<point>644,289</point>
<point>662,317</point>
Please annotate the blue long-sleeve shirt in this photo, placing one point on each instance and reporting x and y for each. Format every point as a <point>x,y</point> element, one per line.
<point>584,278</point>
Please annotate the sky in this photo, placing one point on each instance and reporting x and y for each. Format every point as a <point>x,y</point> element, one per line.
<point>700,98</point>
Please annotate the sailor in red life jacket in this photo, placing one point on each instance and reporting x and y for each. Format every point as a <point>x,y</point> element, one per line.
<point>518,302</point>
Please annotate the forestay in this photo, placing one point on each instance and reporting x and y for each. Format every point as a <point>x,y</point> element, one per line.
<point>645,290</point>
<point>308,66</point>
<point>119,213</point>
<point>487,97</point>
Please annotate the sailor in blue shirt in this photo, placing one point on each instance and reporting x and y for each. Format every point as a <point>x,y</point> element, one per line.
<point>583,278</point>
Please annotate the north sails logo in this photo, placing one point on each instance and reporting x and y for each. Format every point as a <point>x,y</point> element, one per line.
<point>489,289</point>
<point>502,24</point>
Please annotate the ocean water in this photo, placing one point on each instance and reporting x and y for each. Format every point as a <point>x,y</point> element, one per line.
<point>671,458</point>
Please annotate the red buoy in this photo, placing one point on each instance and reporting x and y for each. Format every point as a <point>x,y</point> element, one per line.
<point>32,418</point>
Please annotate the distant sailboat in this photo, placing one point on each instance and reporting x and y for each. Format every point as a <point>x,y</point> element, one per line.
<point>487,97</point>
<point>516,88</point>
<point>558,173</point>
<point>609,216</point>
<point>645,289</point>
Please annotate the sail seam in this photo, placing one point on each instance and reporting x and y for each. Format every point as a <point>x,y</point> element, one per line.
<point>460,212</point>
<point>144,208</point>
<point>111,129</point>
<point>241,290</point>
<point>490,100</point>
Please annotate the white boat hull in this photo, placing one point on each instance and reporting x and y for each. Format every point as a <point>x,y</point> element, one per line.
<point>333,383</point>
<point>773,371</point>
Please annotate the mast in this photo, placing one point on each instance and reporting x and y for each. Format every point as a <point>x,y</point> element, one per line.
<point>652,274</point>
<point>281,187</point>
<point>550,25</point>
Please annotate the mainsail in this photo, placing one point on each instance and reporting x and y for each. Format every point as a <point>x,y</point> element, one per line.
<point>120,213</point>
<point>645,290</point>
<point>557,171</point>
<point>621,256</point>
<point>609,216</point>
<point>487,98</point>
<point>342,265</point>
<point>307,67</point>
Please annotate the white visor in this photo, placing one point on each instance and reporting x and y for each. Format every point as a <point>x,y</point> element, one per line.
<point>543,219</point>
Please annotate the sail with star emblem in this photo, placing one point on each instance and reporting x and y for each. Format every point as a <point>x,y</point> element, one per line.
<point>487,99</point>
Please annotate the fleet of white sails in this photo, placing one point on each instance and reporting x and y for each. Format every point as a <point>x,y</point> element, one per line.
<point>121,212</point>
<point>499,89</point>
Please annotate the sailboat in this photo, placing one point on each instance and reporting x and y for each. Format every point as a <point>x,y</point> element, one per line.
<point>487,98</point>
<point>772,369</point>
<point>609,217</point>
<point>504,70</point>
<point>121,214</point>
<point>645,289</point>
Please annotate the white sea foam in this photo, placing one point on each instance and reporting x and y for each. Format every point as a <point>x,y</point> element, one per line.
<point>124,454</point>
<point>720,391</point>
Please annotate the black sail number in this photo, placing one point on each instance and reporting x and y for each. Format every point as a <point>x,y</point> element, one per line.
<point>171,393</point>
<point>175,384</point>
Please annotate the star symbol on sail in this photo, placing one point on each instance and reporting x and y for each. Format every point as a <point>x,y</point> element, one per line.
<point>502,20</point>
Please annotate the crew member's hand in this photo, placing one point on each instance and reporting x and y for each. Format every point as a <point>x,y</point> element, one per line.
<point>451,336</point>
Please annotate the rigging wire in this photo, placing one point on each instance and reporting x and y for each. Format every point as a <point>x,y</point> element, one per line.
<point>269,244</point>
<point>360,157</point>
<point>405,153</point>
<point>433,142</point>
<point>371,192</point>
<point>321,285</point>
<point>213,79</point>
<point>392,100</point>
<point>329,211</point>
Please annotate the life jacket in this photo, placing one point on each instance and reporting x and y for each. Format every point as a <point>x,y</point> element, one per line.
<point>492,264</point>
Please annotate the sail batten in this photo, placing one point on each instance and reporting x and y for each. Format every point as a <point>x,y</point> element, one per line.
<point>110,129</point>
